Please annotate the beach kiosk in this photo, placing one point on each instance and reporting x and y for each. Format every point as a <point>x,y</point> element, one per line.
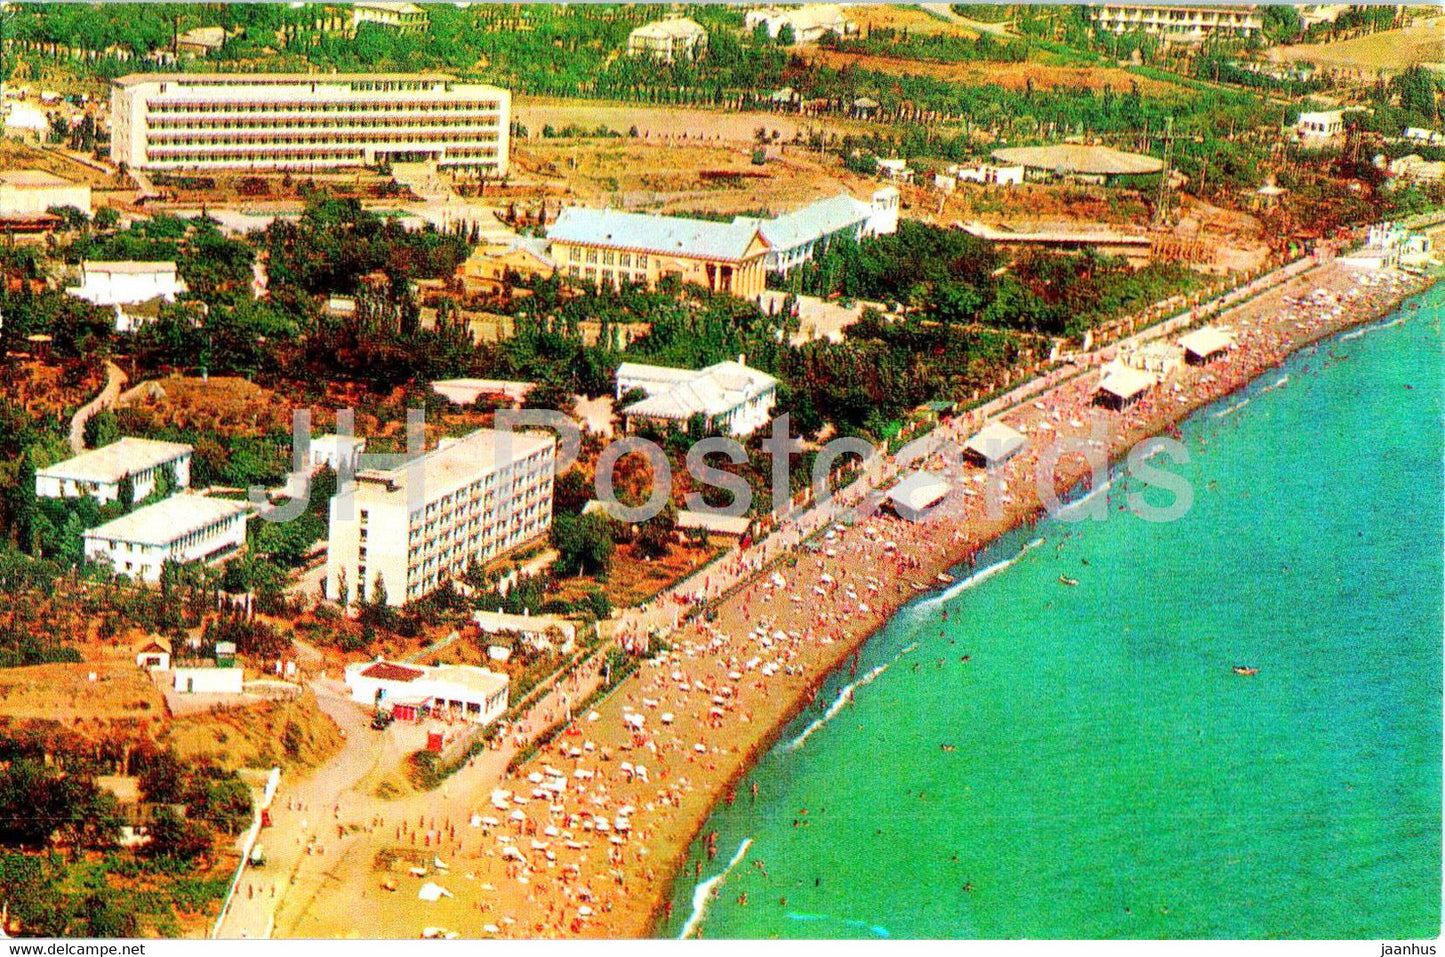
<point>1204,345</point>
<point>994,443</point>
<point>916,494</point>
<point>1122,386</point>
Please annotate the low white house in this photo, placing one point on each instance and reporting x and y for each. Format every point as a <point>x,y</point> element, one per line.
<point>123,284</point>
<point>208,679</point>
<point>467,391</point>
<point>731,397</point>
<point>895,169</point>
<point>994,174</point>
<point>30,192</point>
<point>463,692</point>
<point>809,23</point>
<point>182,528</point>
<point>669,40</point>
<point>333,451</point>
<point>1320,124</point>
<point>100,472</point>
<point>153,654</point>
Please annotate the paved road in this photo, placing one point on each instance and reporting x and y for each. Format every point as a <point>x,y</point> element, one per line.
<point>114,379</point>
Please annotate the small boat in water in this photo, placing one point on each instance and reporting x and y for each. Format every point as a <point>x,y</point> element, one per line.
<point>946,578</point>
<point>1065,580</point>
<point>1245,670</point>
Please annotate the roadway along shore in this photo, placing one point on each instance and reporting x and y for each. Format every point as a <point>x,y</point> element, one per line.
<point>586,839</point>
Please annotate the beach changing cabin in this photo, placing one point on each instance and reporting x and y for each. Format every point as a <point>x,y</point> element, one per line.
<point>1122,387</point>
<point>1205,344</point>
<point>916,494</point>
<point>994,443</point>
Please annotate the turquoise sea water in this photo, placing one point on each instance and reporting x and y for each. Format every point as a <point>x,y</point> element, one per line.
<point>1111,776</point>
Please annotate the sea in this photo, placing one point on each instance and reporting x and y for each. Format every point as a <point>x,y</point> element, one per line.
<point>1018,757</point>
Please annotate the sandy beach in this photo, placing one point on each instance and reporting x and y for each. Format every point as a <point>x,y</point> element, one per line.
<point>585,839</point>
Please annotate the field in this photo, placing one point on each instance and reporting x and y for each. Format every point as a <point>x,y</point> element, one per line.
<point>65,693</point>
<point>1011,76</point>
<point>636,174</point>
<point>664,122</point>
<point>222,404</point>
<point>1388,51</point>
<point>256,736</point>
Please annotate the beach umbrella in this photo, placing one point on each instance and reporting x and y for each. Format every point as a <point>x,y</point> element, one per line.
<point>518,816</point>
<point>491,928</point>
<point>667,717</point>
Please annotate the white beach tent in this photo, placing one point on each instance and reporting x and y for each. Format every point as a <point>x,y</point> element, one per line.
<point>1122,386</point>
<point>1205,343</point>
<point>917,493</point>
<point>995,442</point>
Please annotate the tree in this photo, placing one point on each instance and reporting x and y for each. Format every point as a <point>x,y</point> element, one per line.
<point>584,544</point>
<point>175,838</point>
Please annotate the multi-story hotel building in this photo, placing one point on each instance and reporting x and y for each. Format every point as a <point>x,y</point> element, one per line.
<point>303,121</point>
<point>476,500</point>
<point>1181,24</point>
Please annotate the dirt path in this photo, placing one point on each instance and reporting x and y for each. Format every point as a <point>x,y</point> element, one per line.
<point>114,379</point>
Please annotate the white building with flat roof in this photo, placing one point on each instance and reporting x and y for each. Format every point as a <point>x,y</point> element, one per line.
<point>1179,23</point>
<point>302,121</point>
<point>461,692</point>
<point>421,524</point>
<point>100,472</point>
<point>1320,124</point>
<point>731,397</point>
<point>123,284</point>
<point>669,40</point>
<point>333,451</point>
<point>182,528</point>
<point>809,23</point>
<point>403,17</point>
<point>30,192</point>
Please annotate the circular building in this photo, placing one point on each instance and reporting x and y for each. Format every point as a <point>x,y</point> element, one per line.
<point>1079,163</point>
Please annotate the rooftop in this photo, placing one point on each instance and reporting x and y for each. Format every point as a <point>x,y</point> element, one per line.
<point>996,441</point>
<point>169,519</point>
<point>1126,382</point>
<point>1077,158</point>
<point>814,221</point>
<point>1206,341</point>
<point>451,466</point>
<point>682,393</point>
<point>132,267</point>
<point>111,463</point>
<point>919,490</point>
<point>386,671</point>
<point>647,232</point>
<point>31,179</point>
<point>194,79</point>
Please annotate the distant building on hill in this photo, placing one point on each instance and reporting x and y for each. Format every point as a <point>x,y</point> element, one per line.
<point>670,40</point>
<point>1078,163</point>
<point>1179,23</point>
<point>1320,124</point>
<point>809,23</point>
<point>403,17</point>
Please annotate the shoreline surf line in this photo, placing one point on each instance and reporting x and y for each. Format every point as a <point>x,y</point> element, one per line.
<point>704,892</point>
